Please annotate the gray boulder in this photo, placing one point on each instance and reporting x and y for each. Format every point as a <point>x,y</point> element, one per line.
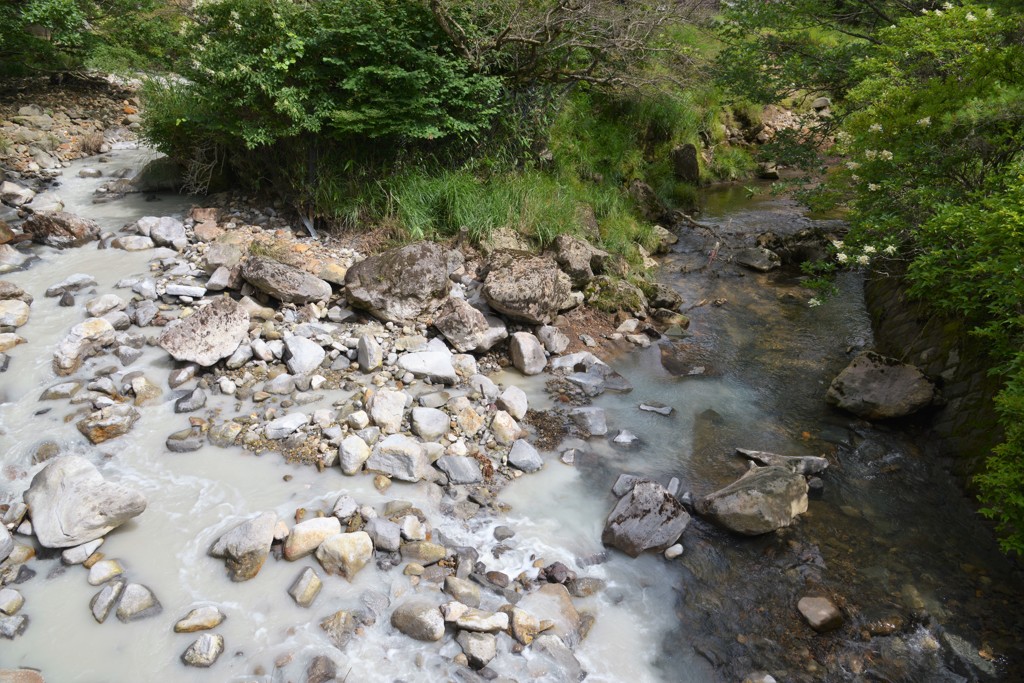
<point>758,258</point>
<point>399,457</point>
<point>524,456</point>
<point>6,543</point>
<point>137,602</point>
<point>420,619</point>
<point>283,282</point>
<point>761,501</point>
<point>164,231</point>
<point>430,424</point>
<point>460,469</point>
<point>246,546</point>
<point>60,229</point>
<point>525,287</point>
<point>401,285</point>
<point>467,328</point>
<point>579,259</point>
<point>646,518</point>
<point>71,503</point>
<point>211,333</point>
<point>304,355</point>
<point>527,353</point>
<point>878,388</point>
<point>435,366</point>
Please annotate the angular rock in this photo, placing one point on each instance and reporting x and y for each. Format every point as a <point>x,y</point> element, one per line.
<point>13,313</point>
<point>761,501</point>
<point>505,429</point>
<point>685,164</point>
<point>14,194</point>
<point>525,287</point>
<point>285,426</point>
<point>479,648</point>
<point>480,621</point>
<point>306,587</point>
<point>108,423</point>
<point>132,243</point>
<point>245,547</point>
<point>190,402</point>
<point>61,230</point>
<point>565,662</point>
<point>368,353</point>
<point>352,453</point>
<point>399,457</point>
<point>524,456</point>
<point>401,285</point>
<point>283,282</point>
<point>387,408</point>
<point>211,333</point>
<point>85,339</point>
<point>579,259</point>
<point>878,388</point>
<point>104,601</point>
<point>590,419</point>
<point>430,424</point>
<point>12,627</point>
<point>385,534</point>
<point>758,258</point>
<point>467,328</point>
<point>527,353</point>
<point>304,355</point>
<point>552,602</point>
<point>104,571</point>
<point>339,627</point>
<point>204,651</point>
<point>164,231</point>
<point>345,554</point>
<point>71,503</point>
<point>820,613</point>
<point>423,552</point>
<point>137,602</point>
<point>460,469</point>
<point>514,402</point>
<point>200,619</point>
<point>435,366</point>
<point>420,619</point>
<point>306,536</point>
<point>6,543</point>
<point>646,518</point>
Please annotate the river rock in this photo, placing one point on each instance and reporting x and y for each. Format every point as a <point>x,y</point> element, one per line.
<point>505,429</point>
<point>137,602</point>
<point>479,648</point>
<point>820,613</point>
<point>6,543</point>
<point>480,621</point>
<point>399,457</point>
<point>200,619</point>
<point>285,426</point>
<point>435,366</point>
<point>590,419</point>
<point>564,661</point>
<point>307,535</point>
<point>579,259</point>
<point>525,287</point>
<point>420,619</point>
<point>306,587</point>
<point>430,424</point>
<point>283,282</point>
<point>761,501</point>
<point>352,453</point>
<point>514,402</point>
<point>108,423</point>
<point>467,328</point>
<point>60,229</point>
<point>13,313</point>
<point>758,258</point>
<point>385,534</point>
<point>460,469</point>
<point>10,601</point>
<point>387,408</point>
<point>104,601</point>
<point>423,552</point>
<point>800,464</point>
<point>878,388</point>
<point>646,518</point>
<point>527,353</point>
<point>190,402</point>
<point>304,355</point>
<point>369,355</point>
<point>345,554</point>
<point>132,243</point>
<point>14,194</point>
<point>164,231</point>
<point>245,547</point>
<point>84,340</point>
<point>211,333</point>
<point>204,651</point>
<point>12,627</point>
<point>525,457</point>
<point>104,571</point>
<point>401,285</point>
<point>71,503</point>
<point>553,602</point>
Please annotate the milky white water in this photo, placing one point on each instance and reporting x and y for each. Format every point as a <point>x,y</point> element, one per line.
<point>194,497</point>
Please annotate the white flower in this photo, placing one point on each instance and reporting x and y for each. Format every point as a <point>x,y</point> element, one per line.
<point>989,13</point>
<point>855,178</point>
<point>814,301</point>
<point>872,187</point>
<point>938,13</point>
<point>890,250</point>
<point>838,244</point>
<point>870,154</point>
<point>842,258</point>
<point>925,122</point>
<point>970,16</point>
<point>852,165</point>
<point>885,155</point>
<point>869,249</point>
<point>875,128</point>
<point>924,11</point>
<point>863,260</point>
<point>947,5</point>
<point>842,136</point>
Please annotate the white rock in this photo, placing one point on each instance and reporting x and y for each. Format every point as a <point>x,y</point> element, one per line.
<point>352,453</point>
<point>527,353</point>
<point>345,554</point>
<point>307,535</point>
<point>387,409</point>
<point>305,355</point>
<point>513,401</point>
<point>285,426</point>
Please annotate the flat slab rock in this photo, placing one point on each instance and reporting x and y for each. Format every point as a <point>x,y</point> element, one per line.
<point>646,518</point>
<point>211,333</point>
<point>761,501</point>
<point>878,388</point>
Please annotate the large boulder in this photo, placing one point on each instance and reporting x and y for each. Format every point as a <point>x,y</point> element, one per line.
<point>211,333</point>
<point>246,546</point>
<point>283,282</point>
<point>399,457</point>
<point>71,503</point>
<point>401,285</point>
<point>761,501</point>
<point>579,259</point>
<point>525,287</point>
<point>879,388</point>
<point>646,518</point>
<point>467,328</point>
<point>60,229</point>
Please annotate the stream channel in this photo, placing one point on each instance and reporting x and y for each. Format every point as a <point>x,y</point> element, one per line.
<point>925,593</point>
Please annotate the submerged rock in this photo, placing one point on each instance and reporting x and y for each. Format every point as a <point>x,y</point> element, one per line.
<point>878,388</point>
<point>84,340</point>
<point>646,518</point>
<point>800,464</point>
<point>108,423</point>
<point>761,501</point>
<point>820,613</point>
<point>401,285</point>
<point>211,333</point>
<point>71,503</point>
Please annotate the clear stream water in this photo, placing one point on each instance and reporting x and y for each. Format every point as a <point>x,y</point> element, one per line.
<point>892,540</point>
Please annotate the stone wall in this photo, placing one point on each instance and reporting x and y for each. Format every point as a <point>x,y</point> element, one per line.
<point>966,425</point>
